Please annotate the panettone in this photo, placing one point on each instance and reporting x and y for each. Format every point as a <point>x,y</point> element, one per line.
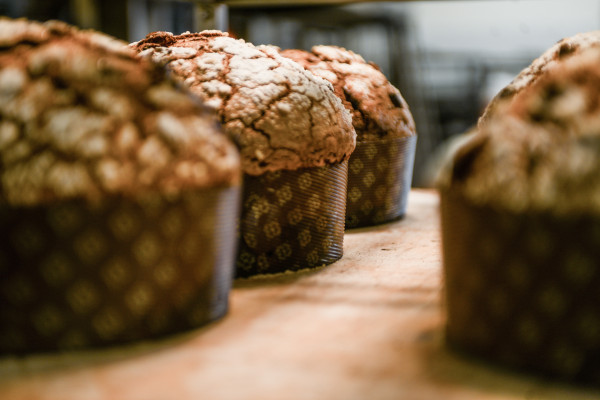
<point>294,136</point>
<point>380,169</point>
<point>520,214</point>
<point>282,117</point>
<point>117,195</point>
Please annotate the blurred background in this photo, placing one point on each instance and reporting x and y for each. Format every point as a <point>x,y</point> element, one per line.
<point>448,58</point>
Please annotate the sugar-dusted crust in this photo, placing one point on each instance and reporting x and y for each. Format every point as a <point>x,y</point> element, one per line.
<point>282,116</point>
<point>378,109</point>
<point>540,152</point>
<point>82,116</point>
<point>552,57</point>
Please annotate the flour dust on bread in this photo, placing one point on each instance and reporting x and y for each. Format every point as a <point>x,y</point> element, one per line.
<point>282,116</point>
<point>82,117</point>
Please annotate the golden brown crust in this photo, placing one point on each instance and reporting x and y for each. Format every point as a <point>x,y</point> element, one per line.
<point>540,151</point>
<point>82,116</point>
<point>282,116</point>
<point>552,57</point>
<point>378,109</point>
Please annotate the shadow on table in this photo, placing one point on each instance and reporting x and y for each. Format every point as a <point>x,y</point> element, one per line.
<point>281,278</point>
<point>22,368</point>
<point>288,277</point>
<point>448,368</point>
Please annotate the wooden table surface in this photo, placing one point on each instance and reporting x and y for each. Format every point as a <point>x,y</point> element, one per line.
<point>366,327</point>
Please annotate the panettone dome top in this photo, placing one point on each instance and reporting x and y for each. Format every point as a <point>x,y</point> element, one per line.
<point>81,116</point>
<point>282,116</point>
<point>551,58</point>
<point>378,109</point>
<point>539,152</point>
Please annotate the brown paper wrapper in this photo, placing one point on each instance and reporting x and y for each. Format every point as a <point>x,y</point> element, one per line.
<point>379,180</point>
<point>76,275</point>
<point>292,220</point>
<point>522,290</point>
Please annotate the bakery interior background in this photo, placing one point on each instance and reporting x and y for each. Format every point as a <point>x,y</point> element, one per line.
<point>447,57</point>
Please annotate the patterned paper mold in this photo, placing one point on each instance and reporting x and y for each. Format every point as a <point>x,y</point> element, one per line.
<point>385,133</point>
<point>521,291</point>
<point>118,195</point>
<point>379,180</point>
<point>77,275</point>
<point>292,220</point>
<point>288,123</point>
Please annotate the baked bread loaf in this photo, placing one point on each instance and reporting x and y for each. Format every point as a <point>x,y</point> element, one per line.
<point>538,155</point>
<point>378,109</point>
<point>552,57</point>
<point>381,166</point>
<point>295,137</point>
<point>281,116</point>
<point>102,162</point>
<point>520,213</point>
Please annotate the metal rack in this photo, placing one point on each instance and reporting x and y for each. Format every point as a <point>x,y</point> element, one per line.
<point>212,14</point>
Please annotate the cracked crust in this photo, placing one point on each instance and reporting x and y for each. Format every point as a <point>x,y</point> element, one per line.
<point>378,109</point>
<point>539,152</point>
<point>551,58</point>
<point>282,116</point>
<point>81,116</point>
